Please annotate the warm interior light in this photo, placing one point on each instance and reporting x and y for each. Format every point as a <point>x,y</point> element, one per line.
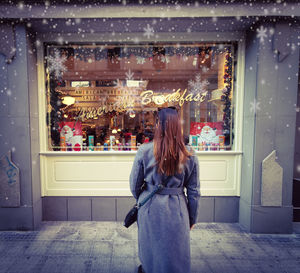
<point>114,131</point>
<point>68,100</point>
<point>132,114</point>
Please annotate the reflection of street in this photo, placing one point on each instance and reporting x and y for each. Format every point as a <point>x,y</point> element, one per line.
<point>109,247</point>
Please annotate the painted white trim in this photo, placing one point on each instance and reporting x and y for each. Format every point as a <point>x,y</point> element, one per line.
<point>239,108</point>
<point>108,175</point>
<point>129,38</point>
<point>104,153</point>
<point>150,11</point>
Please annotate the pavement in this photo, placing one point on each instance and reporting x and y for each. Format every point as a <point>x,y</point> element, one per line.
<point>86,247</point>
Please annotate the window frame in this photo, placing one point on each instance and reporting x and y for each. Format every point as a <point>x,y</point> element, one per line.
<point>238,76</point>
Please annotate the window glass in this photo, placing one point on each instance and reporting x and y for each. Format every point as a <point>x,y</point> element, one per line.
<point>106,97</point>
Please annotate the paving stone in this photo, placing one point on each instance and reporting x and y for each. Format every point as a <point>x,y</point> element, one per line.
<point>26,264</point>
<point>101,265</point>
<point>38,248</point>
<point>109,247</point>
<point>6,262</point>
<point>245,266</point>
<point>221,265</point>
<point>102,249</point>
<point>64,264</point>
<point>200,265</point>
<point>124,250</point>
<point>124,265</point>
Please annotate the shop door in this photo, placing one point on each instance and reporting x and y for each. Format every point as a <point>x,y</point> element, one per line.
<point>296,182</point>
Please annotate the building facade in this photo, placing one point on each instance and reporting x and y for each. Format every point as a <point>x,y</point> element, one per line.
<point>81,85</point>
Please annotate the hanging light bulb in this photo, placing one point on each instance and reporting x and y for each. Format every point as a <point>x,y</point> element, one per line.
<point>68,100</point>
<point>131,114</point>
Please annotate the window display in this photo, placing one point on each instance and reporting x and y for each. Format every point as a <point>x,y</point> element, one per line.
<point>106,97</point>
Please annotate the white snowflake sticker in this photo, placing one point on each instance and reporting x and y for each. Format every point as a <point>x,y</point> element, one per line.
<point>129,75</point>
<point>56,64</point>
<point>261,34</point>
<point>148,31</point>
<point>254,106</point>
<point>198,86</point>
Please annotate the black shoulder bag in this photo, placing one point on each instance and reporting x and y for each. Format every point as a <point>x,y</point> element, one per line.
<point>131,216</point>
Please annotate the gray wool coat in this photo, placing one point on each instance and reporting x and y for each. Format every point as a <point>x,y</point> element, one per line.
<point>164,221</point>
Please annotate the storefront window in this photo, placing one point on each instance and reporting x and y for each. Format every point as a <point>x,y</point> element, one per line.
<point>106,97</point>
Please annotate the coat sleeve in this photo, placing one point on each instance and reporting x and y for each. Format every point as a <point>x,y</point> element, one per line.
<point>137,174</point>
<point>193,192</point>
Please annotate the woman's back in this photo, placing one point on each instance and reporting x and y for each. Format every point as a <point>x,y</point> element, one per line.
<point>164,222</point>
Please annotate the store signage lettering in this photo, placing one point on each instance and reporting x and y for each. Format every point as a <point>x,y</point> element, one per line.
<point>146,97</point>
<point>149,96</point>
<point>122,105</point>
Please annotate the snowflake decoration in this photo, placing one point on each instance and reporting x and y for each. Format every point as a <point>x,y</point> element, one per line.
<point>261,34</point>
<point>56,64</point>
<point>118,83</point>
<point>129,75</point>
<point>148,31</point>
<point>140,60</point>
<point>165,59</point>
<point>198,86</point>
<point>254,106</point>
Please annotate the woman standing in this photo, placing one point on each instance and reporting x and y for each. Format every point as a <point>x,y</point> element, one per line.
<point>164,222</point>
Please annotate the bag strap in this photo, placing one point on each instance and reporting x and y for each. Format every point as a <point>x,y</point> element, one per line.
<point>158,188</point>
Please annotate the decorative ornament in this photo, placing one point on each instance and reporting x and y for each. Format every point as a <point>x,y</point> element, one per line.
<point>140,60</point>
<point>148,31</point>
<point>56,64</point>
<point>165,59</point>
<point>261,34</point>
<point>226,97</point>
<point>198,86</point>
<point>254,106</point>
<point>129,75</point>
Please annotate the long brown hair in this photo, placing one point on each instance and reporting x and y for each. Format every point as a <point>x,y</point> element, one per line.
<point>169,149</point>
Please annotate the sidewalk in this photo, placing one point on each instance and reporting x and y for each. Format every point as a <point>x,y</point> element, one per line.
<point>86,247</point>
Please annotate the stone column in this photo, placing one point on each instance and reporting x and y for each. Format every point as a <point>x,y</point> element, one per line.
<point>16,91</point>
<point>271,82</point>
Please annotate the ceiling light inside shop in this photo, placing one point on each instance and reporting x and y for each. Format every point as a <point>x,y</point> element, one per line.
<point>114,131</point>
<point>80,83</point>
<point>68,100</point>
<point>133,83</point>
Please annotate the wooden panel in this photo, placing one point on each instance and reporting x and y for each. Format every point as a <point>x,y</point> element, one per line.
<point>103,174</point>
<point>213,170</point>
<point>92,171</point>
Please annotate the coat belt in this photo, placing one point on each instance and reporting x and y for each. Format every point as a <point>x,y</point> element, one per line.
<point>164,191</point>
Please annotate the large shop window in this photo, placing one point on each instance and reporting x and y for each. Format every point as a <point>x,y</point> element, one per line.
<point>106,97</point>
